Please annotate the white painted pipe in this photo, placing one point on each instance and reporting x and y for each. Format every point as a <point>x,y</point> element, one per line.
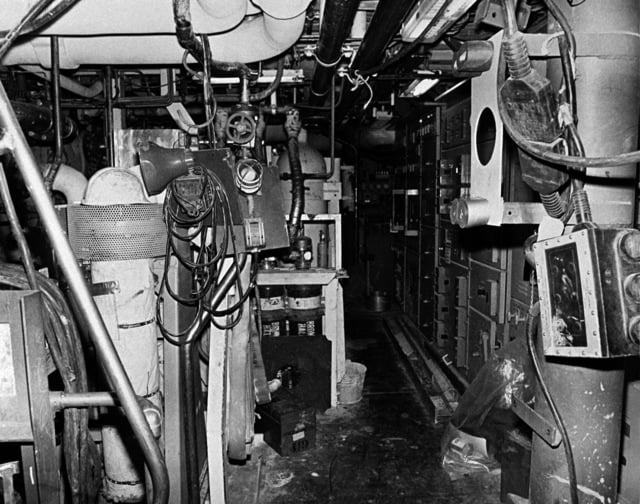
<point>71,183</point>
<point>67,83</point>
<point>129,313</point>
<point>127,17</point>
<point>255,39</point>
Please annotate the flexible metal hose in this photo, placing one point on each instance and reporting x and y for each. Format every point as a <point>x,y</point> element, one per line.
<point>292,127</point>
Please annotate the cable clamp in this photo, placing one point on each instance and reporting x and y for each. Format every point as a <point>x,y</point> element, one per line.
<point>565,115</point>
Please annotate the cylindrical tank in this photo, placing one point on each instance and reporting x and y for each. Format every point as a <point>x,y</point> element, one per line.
<point>129,313</point>
<point>273,310</point>
<point>305,310</point>
<point>608,98</point>
<point>589,393</point>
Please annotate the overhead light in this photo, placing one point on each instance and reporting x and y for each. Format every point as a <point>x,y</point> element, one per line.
<point>436,16</point>
<point>419,87</point>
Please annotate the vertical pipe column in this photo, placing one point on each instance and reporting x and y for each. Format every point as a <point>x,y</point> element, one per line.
<point>589,392</point>
<point>608,99</point>
<point>108,116</point>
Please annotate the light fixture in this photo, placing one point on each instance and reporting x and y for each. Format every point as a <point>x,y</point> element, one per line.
<point>436,15</point>
<point>418,87</point>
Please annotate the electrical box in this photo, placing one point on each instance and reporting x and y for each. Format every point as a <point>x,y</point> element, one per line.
<point>589,289</point>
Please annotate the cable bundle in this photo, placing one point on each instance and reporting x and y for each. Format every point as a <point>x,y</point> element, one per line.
<point>193,237</point>
<point>80,453</point>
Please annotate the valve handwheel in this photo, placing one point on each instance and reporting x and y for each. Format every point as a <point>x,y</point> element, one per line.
<point>241,127</point>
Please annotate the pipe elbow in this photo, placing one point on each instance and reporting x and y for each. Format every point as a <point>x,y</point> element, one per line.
<point>282,10</point>
<point>71,183</point>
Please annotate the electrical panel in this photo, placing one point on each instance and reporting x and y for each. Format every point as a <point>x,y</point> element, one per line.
<point>589,288</point>
<point>466,276</point>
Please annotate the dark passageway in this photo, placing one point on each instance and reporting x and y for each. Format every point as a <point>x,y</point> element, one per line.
<point>385,449</point>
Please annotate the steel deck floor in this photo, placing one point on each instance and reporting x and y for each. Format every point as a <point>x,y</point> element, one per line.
<point>385,449</point>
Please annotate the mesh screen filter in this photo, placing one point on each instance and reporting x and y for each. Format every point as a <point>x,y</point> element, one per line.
<point>116,232</point>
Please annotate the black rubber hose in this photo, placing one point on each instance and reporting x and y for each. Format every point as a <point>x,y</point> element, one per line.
<point>292,127</point>
<point>261,95</point>
<point>188,40</point>
<point>297,188</point>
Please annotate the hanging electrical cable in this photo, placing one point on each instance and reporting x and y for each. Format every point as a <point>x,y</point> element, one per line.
<point>531,329</point>
<point>196,221</point>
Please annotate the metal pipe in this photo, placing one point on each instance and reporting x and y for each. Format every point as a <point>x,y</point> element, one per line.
<point>228,280</point>
<point>14,141</point>
<point>62,400</point>
<point>108,115</point>
<point>385,23</point>
<point>332,139</point>
<point>337,19</point>
<point>52,170</point>
<point>589,392</point>
<point>67,83</point>
<point>188,387</point>
<point>189,422</point>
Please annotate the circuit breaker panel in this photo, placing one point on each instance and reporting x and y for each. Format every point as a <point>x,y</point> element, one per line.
<point>467,289</point>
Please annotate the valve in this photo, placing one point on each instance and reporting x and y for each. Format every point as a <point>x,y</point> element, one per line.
<point>242,124</point>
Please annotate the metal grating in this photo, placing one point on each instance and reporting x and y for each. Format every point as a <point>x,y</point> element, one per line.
<point>116,232</point>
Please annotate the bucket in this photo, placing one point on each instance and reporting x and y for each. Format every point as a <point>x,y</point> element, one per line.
<point>350,387</point>
<point>379,301</point>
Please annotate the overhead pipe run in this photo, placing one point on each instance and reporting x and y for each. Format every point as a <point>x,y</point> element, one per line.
<point>259,37</point>
<point>337,19</point>
<point>70,85</point>
<point>385,23</point>
<point>124,17</point>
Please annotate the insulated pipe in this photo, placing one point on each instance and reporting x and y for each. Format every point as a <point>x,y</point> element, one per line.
<point>71,183</point>
<point>608,99</point>
<point>589,392</point>
<point>37,122</point>
<point>124,17</point>
<point>337,19</point>
<point>385,23</point>
<point>70,85</point>
<point>255,39</point>
<point>13,141</point>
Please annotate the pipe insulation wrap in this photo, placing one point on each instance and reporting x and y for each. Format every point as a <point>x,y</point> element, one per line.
<point>71,183</point>
<point>256,38</point>
<point>336,22</point>
<point>129,314</point>
<point>124,17</point>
